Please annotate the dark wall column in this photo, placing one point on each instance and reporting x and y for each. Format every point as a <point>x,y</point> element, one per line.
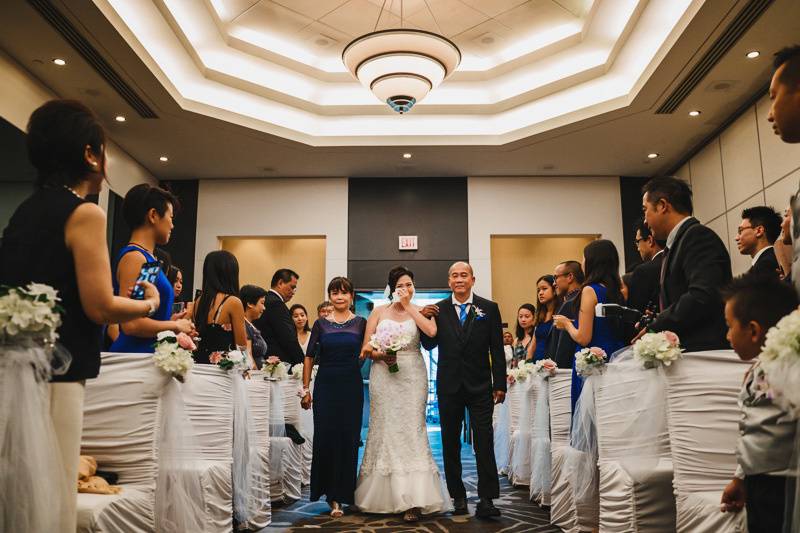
<point>184,236</point>
<point>630,192</point>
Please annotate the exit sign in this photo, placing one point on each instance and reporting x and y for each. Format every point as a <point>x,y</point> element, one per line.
<point>408,242</point>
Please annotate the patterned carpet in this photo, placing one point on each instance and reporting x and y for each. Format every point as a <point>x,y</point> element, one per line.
<point>519,513</point>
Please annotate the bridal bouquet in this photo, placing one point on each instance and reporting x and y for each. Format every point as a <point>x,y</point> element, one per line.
<point>780,360</point>
<point>29,314</point>
<point>391,337</point>
<point>173,354</point>
<point>590,361</point>
<point>545,368</point>
<point>232,360</point>
<point>657,348</point>
<point>275,369</point>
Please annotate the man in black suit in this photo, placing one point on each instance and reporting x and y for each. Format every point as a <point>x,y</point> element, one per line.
<point>471,374</point>
<point>756,235</point>
<point>568,277</point>
<point>276,325</point>
<point>644,282</point>
<point>696,266</point>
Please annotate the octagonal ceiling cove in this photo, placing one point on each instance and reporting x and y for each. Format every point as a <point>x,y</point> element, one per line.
<point>527,66</point>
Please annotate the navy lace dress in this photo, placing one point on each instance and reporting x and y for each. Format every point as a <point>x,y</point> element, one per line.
<point>337,403</point>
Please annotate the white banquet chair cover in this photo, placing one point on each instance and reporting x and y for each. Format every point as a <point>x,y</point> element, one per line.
<point>541,470</point>
<point>562,504</point>
<point>285,457</point>
<point>635,467</point>
<point>703,415</point>
<point>519,468</point>
<point>120,430</point>
<point>501,422</point>
<point>258,396</point>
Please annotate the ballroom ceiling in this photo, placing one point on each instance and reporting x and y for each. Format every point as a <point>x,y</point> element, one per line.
<point>246,88</point>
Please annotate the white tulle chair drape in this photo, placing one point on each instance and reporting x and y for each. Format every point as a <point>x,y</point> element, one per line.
<point>501,429</point>
<point>702,416</point>
<point>540,444</point>
<point>307,431</point>
<point>285,456</point>
<point>258,399</point>
<point>519,469</point>
<point>562,505</point>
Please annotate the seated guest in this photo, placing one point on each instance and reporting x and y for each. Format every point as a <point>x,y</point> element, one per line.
<point>601,286</point>
<point>644,281</point>
<point>300,319</point>
<point>219,312</point>
<point>547,303</point>
<point>753,304</point>
<point>696,266</point>
<point>276,324</point>
<point>523,342</point>
<point>175,276</point>
<point>148,210</point>
<point>252,298</point>
<point>568,279</point>
<point>324,309</point>
<point>756,235</point>
<point>508,347</point>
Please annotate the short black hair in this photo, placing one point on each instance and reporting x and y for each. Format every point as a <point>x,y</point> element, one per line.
<point>789,56</point>
<point>251,294</point>
<point>341,284</point>
<point>767,217</point>
<point>641,226</point>
<point>760,298</point>
<point>574,268</point>
<point>58,133</point>
<point>394,276</point>
<point>144,197</point>
<point>283,274</point>
<point>674,190</point>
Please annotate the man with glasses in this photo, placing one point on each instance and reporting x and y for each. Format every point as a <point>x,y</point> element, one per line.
<point>568,277</point>
<point>276,325</point>
<point>756,235</point>
<point>643,285</point>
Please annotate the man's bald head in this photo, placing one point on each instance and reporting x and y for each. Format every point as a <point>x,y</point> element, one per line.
<point>460,265</point>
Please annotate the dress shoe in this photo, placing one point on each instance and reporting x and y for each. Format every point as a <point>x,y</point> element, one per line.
<point>295,435</point>
<point>486,509</point>
<point>460,506</point>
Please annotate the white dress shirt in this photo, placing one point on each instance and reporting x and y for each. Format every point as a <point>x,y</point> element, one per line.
<point>674,233</point>
<point>279,295</point>
<point>761,251</point>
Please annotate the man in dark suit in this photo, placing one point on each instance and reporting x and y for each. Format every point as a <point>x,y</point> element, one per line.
<point>471,375</point>
<point>644,282</point>
<point>696,266</point>
<point>568,277</point>
<point>276,325</point>
<point>756,235</point>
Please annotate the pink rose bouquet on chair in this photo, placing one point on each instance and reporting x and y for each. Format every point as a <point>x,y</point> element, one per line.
<point>391,337</point>
<point>590,361</point>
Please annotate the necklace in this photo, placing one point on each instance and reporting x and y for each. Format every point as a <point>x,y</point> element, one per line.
<point>139,246</point>
<point>345,321</point>
<point>70,189</point>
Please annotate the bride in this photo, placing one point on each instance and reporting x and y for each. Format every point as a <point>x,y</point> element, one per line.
<point>398,474</point>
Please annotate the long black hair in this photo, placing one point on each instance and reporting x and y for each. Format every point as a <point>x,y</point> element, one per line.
<point>220,276</point>
<point>394,276</point>
<point>520,330</point>
<point>601,262</point>
<point>541,309</point>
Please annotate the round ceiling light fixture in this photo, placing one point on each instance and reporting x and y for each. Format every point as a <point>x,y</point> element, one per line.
<point>401,66</point>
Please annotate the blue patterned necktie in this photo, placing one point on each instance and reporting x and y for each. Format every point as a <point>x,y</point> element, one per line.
<point>462,314</point>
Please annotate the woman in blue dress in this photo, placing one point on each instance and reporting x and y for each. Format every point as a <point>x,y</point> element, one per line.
<point>602,285</point>
<point>547,303</point>
<point>336,342</point>
<point>148,211</point>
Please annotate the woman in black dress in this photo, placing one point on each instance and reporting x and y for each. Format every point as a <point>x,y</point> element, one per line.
<point>58,238</point>
<point>338,398</point>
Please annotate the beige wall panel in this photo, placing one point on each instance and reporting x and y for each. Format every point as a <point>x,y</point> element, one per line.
<point>684,173</point>
<point>517,261</point>
<point>778,194</point>
<point>706,171</point>
<point>260,257</point>
<point>720,227</point>
<point>741,160</point>
<point>778,158</point>
<point>740,263</point>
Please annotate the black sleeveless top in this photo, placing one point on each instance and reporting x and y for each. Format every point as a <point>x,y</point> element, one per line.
<point>33,250</point>
<point>214,338</point>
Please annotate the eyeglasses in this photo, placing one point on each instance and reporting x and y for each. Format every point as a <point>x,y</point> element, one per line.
<point>637,241</point>
<point>740,229</point>
<point>556,276</point>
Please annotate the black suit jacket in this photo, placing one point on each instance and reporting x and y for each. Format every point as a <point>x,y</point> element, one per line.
<point>471,356</point>
<point>277,328</point>
<point>697,266</point>
<point>767,264</point>
<point>645,283</point>
<point>561,347</point>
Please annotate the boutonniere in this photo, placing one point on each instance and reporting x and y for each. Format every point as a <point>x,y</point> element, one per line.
<point>479,314</point>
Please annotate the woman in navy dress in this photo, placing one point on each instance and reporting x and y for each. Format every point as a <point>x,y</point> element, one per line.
<point>547,304</point>
<point>148,210</point>
<point>338,398</point>
<point>602,285</point>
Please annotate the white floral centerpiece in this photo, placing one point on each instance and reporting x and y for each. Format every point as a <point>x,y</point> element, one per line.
<point>29,314</point>
<point>545,368</point>
<point>780,361</point>
<point>391,337</point>
<point>274,368</point>
<point>173,354</point>
<point>590,361</point>
<point>518,374</point>
<point>232,360</point>
<point>654,349</point>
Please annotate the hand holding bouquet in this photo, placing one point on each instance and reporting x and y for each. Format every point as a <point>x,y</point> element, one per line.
<point>390,338</point>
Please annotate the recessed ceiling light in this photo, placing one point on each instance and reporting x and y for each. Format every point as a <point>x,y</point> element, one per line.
<point>407,155</point>
<point>60,62</point>
<point>119,118</point>
<point>163,159</point>
<point>652,156</point>
<point>752,54</point>
<point>694,113</point>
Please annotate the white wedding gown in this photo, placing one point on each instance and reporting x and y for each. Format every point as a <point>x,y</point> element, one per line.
<point>398,471</point>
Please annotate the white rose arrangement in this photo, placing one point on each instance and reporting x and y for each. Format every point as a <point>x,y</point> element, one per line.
<point>275,369</point>
<point>173,354</point>
<point>590,361</point>
<point>780,361</point>
<point>654,349</point>
<point>545,368</point>
<point>29,314</point>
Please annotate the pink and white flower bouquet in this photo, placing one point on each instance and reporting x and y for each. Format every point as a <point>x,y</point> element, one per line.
<point>545,368</point>
<point>232,360</point>
<point>173,354</point>
<point>274,368</point>
<point>780,361</point>
<point>590,361</point>
<point>391,337</point>
<point>654,349</point>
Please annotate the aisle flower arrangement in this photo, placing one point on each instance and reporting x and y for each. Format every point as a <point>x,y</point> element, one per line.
<point>232,360</point>
<point>29,314</point>
<point>780,361</point>
<point>545,368</point>
<point>275,369</point>
<point>173,354</point>
<point>654,349</point>
<point>590,361</point>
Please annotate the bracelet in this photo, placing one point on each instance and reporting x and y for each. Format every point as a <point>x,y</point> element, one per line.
<point>151,308</point>
<point>304,391</point>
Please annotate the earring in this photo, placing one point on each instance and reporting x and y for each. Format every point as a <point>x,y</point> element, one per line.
<point>94,163</point>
